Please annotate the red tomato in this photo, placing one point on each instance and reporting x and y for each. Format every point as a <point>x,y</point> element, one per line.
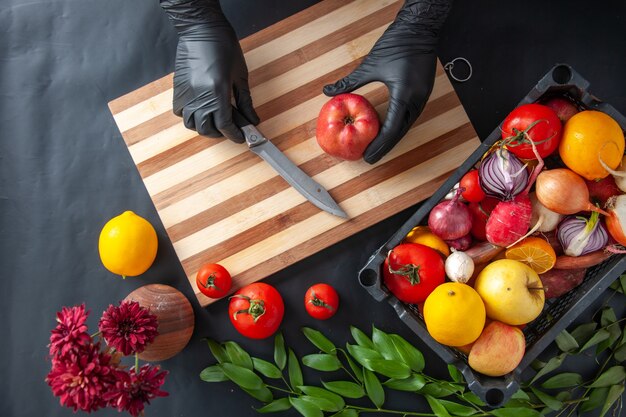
<point>480,215</point>
<point>473,192</point>
<point>537,122</point>
<point>213,280</point>
<point>256,310</point>
<point>321,301</point>
<point>412,271</point>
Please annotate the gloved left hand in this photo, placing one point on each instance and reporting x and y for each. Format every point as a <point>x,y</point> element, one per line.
<point>209,69</point>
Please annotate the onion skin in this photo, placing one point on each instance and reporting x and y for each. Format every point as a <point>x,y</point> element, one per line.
<point>616,220</point>
<point>563,191</point>
<point>462,243</point>
<point>509,221</point>
<point>579,235</point>
<point>502,175</point>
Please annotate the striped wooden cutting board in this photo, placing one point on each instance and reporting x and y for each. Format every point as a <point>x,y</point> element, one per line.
<point>221,203</point>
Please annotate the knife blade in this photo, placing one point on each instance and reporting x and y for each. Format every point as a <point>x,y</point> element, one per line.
<point>297,178</point>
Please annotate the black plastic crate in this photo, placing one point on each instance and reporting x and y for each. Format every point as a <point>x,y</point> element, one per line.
<point>558,313</point>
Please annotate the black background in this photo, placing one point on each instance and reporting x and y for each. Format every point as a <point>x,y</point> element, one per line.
<point>65,171</point>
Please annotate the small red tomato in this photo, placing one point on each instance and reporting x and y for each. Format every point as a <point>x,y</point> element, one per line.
<point>412,271</point>
<point>213,280</point>
<point>321,301</point>
<point>534,122</point>
<point>256,310</point>
<point>480,215</point>
<point>473,192</point>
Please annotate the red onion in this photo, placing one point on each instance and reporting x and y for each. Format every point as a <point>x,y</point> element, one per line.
<point>579,235</point>
<point>503,175</point>
<point>462,243</point>
<point>450,219</point>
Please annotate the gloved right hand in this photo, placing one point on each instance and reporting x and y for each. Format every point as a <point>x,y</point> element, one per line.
<point>209,69</point>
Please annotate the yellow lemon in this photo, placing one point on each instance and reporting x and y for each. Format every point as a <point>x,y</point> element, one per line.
<point>423,235</point>
<point>454,314</point>
<point>588,137</point>
<point>128,245</point>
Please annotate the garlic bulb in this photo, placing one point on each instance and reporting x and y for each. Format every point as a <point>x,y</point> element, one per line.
<point>459,267</point>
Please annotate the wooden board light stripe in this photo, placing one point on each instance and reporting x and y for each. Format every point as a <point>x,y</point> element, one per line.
<point>221,203</point>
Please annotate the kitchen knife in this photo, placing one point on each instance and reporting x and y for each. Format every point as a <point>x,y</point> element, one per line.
<point>264,148</point>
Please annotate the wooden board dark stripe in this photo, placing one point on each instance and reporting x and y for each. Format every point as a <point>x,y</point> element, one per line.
<point>221,203</point>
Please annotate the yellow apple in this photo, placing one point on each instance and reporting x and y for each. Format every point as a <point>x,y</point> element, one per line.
<point>498,350</point>
<point>512,291</point>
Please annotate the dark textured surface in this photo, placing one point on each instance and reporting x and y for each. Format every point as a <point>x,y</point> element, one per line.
<point>64,171</point>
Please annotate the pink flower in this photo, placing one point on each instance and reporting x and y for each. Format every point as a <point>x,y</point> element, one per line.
<point>71,332</point>
<point>81,378</point>
<point>129,327</point>
<point>134,390</point>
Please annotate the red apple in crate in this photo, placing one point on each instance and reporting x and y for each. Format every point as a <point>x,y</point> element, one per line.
<point>347,123</point>
<point>563,108</point>
<point>498,350</point>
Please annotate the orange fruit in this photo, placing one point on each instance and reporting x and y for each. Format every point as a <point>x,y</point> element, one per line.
<point>423,235</point>
<point>454,314</point>
<point>128,245</point>
<point>535,252</point>
<point>588,137</point>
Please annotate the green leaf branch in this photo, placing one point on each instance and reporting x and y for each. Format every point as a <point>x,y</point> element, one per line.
<point>381,361</point>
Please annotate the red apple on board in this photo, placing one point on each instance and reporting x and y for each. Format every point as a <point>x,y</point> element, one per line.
<point>347,123</point>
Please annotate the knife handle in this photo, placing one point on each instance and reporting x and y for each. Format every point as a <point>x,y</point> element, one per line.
<point>239,119</point>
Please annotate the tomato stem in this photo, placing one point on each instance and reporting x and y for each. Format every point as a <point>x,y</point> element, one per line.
<point>318,302</point>
<point>256,308</point>
<point>410,271</point>
<point>210,282</point>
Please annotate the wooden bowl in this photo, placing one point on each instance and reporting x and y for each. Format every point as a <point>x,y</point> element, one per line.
<point>176,320</point>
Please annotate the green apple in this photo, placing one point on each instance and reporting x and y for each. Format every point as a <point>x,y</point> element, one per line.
<point>512,291</point>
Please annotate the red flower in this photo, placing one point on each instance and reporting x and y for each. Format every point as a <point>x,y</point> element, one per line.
<point>82,378</point>
<point>71,332</point>
<point>134,390</point>
<point>129,327</point>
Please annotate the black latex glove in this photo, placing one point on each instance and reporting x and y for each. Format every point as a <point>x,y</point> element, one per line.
<point>210,68</point>
<point>404,60</point>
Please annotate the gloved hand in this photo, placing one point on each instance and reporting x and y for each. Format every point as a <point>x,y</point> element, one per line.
<point>209,69</point>
<point>404,60</point>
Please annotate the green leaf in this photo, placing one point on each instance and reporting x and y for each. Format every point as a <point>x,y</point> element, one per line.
<point>373,388</point>
<point>280,356</point>
<point>294,371</point>
<point>517,403</point>
<point>237,355</point>
<point>607,317</point>
<point>362,355</point>
<point>566,342</point>
<point>282,404</point>
<point>348,412</point>
<point>306,408</point>
<point>345,388</point>
<point>337,402</point>
<point>455,374</point>
<point>473,398</point>
<point>217,351</point>
<point>548,400</point>
<point>409,354</point>
<point>384,345</point>
<point>584,332</point>
<point>458,409</point>
<point>613,375</point>
<point>437,407</point>
<point>552,364</point>
<point>322,362</point>
<point>413,383</point>
<point>520,394</point>
<point>389,368</point>
<point>537,364</point>
<point>615,392</point>
<point>213,374</point>
<point>437,390</point>
<point>322,403</point>
<point>515,412</point>
<point>596,399</point>
<point>319,340</point>
<point>243,377</point>
<point>266,369</point>
<point>263,394</point>
<point>564,380</point>
<point>361,338</point>
<point>356,369</point>
<point>620,353</point>
<point>564,396</point>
